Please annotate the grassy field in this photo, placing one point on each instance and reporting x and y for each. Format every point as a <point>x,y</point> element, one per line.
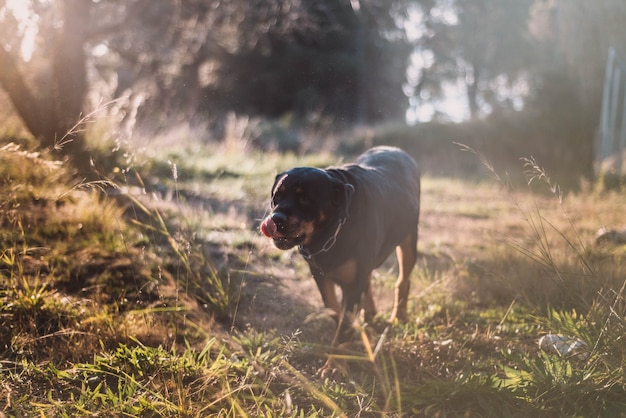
<point>152,293</point>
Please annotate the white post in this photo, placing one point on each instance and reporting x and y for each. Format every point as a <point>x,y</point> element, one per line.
<point>603,150</point>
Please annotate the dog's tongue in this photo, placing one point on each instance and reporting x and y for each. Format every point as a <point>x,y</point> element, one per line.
<point>268,227</point>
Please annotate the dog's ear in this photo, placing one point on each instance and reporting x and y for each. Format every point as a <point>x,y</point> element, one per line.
<point>342,194</point>
<point>277,180</point>
<point>337,198</point>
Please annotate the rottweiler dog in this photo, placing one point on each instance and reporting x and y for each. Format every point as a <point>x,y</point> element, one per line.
<point>346,221</point>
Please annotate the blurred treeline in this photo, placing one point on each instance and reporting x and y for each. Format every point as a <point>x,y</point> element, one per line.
<point>529,72</point>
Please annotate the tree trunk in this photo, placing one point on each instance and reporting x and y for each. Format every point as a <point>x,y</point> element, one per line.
<point>24,102</point>
<point>69,84</point>
<point>53,114</point>
<point>362,105</point>
<point>472,92</point>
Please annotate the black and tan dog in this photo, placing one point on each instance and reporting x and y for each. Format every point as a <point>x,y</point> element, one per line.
<point>346,221</point>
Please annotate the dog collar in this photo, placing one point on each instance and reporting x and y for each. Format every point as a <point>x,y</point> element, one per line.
<point>327,245</point>
<point>349,191</point>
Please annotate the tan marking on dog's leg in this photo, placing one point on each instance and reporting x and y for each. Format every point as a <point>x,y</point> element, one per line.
<point>407,255</point>
<point>329,296</point>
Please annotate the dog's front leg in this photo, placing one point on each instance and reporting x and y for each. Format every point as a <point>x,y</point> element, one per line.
<point>357,295</point>
<point>327,289</point>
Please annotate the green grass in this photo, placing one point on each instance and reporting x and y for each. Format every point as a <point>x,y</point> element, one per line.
<point>172,304</point>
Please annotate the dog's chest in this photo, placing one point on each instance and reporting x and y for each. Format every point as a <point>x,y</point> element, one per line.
<point>344,274</point>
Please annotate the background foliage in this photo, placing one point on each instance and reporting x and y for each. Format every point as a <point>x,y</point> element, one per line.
<point>324,65</point>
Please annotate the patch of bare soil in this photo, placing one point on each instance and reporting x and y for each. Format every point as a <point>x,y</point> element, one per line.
<point>282,297</point>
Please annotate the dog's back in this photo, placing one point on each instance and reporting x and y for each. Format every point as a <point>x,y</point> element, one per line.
<point>385,156</point>
<point>396,169</point>
<point>387,198</point>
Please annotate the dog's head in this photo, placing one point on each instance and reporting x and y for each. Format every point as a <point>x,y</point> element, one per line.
<point>304,201</point>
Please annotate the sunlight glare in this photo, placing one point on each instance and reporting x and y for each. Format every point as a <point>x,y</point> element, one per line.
<point>28,26</point>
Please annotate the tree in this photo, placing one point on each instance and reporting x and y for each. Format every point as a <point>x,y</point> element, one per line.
<point>346,62</point>
<point>580,34</point>
<point>158,39</point>
<point>48,90</point>
<point>185,57</point>
<point>272,58</point>
<point>479,43</point>
<point>51,104</point>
